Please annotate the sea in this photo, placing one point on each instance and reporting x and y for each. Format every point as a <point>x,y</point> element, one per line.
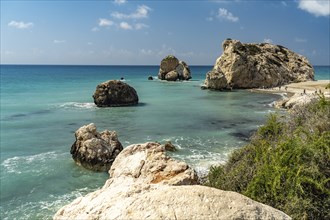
<point>43,105</point>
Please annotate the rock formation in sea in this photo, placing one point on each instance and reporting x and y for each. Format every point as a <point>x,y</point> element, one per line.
<point>261,65</point>
<point>145,183</point>
<point>114,93</point>
<point>93,150</point>
<point>171,69</point>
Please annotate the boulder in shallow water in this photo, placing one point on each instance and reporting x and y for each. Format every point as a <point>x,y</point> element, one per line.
<point>115,93</point>
<point>171,69</point>
<point>144,183</point>
<point>172,76</point>
<point>93,150</point>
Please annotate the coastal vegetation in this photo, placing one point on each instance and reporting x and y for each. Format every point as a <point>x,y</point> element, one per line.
<point>286,164</point>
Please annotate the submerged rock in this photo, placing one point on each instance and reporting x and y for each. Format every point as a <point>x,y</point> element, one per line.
<point>171,69</point>
<point>146,184</point>
<point>93,150</point>
<point>257,66</point>
<point>115,93</point>
<point>169,146</point>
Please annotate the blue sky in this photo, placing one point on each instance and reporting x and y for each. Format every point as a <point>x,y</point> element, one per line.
<point>143,32</point>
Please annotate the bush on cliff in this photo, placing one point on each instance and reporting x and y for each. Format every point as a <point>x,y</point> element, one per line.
<point>286,165</point>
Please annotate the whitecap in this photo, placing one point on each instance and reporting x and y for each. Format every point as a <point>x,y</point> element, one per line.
<point>18,164</point>
<point>201,152</point>
<point>78,105</point>
<point>43,209</point>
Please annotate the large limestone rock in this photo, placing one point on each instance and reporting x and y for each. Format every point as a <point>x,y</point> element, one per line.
<point>171,69</point>
<point>257,66</point>
<point>93,150</point>
<point>146,184</point>
<point>114,93</point>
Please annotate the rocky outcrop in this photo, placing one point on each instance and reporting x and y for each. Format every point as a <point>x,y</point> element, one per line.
<point>114,93</point>
<point>146,184</point>
<point>93,150</point>
<point>171,69</point>
<point>296,101</point>
<point>257,66</point>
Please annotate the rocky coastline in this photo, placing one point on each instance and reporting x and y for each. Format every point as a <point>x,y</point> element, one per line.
<point>294,95</point>
<point>145,183</point>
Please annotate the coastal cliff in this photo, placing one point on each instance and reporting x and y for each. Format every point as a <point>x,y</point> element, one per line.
<point>257,66</point>
<point>145,183</point>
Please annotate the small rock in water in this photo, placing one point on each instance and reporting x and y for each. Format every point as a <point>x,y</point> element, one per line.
<point>93,150</point>
<point>169,146</point>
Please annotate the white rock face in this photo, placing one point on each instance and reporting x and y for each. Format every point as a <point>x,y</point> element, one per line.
<point>295,101</point>
<point>146,184</point>
<point>257,66</point>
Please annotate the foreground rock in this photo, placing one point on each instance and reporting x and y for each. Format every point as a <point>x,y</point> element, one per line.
<point>93,150</point>
<point>146,184</point>
<point>295,101</point>
<point>115,93</point>
<point>257,66</point>
<point>171,69</point>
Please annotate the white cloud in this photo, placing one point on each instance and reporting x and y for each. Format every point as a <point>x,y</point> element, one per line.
<point>59,41</point>
<point>94,29</point>
<point>225,14</point>
<point>140,26</point>
<point>119,2</point>
<point>105,22</point>
<point>9,52</point>
<point>142,11</point>
<point>20,24</point>
<point>146,52</point>
<point>300,40</point>
<point>225,1</point>
<point>315,7</point>
<point>125,26</point>
<point>209,19</point>
<point>267,40</point>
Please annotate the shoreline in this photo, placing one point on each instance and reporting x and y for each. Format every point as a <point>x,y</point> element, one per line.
<point>310,87</point>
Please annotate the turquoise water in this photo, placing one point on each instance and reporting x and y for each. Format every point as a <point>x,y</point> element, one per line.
<point>42,106</point>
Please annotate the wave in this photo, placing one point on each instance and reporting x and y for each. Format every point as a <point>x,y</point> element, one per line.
<point>78,105</point>
<point>201,153</point>
<point>19,164</point>
<point>43,209</point>
<point>265,112</point>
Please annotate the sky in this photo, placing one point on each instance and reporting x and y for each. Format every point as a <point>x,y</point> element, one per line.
<point>124,32</point>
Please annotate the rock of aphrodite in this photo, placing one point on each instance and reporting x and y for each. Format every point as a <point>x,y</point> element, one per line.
<point>114,93</point>
<point>257,66</point>
<point>93,150</point>
<point>144,183</point>
<point>171,69</point>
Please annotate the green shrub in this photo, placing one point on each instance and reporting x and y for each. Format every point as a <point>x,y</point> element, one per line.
<point>286,165</point>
